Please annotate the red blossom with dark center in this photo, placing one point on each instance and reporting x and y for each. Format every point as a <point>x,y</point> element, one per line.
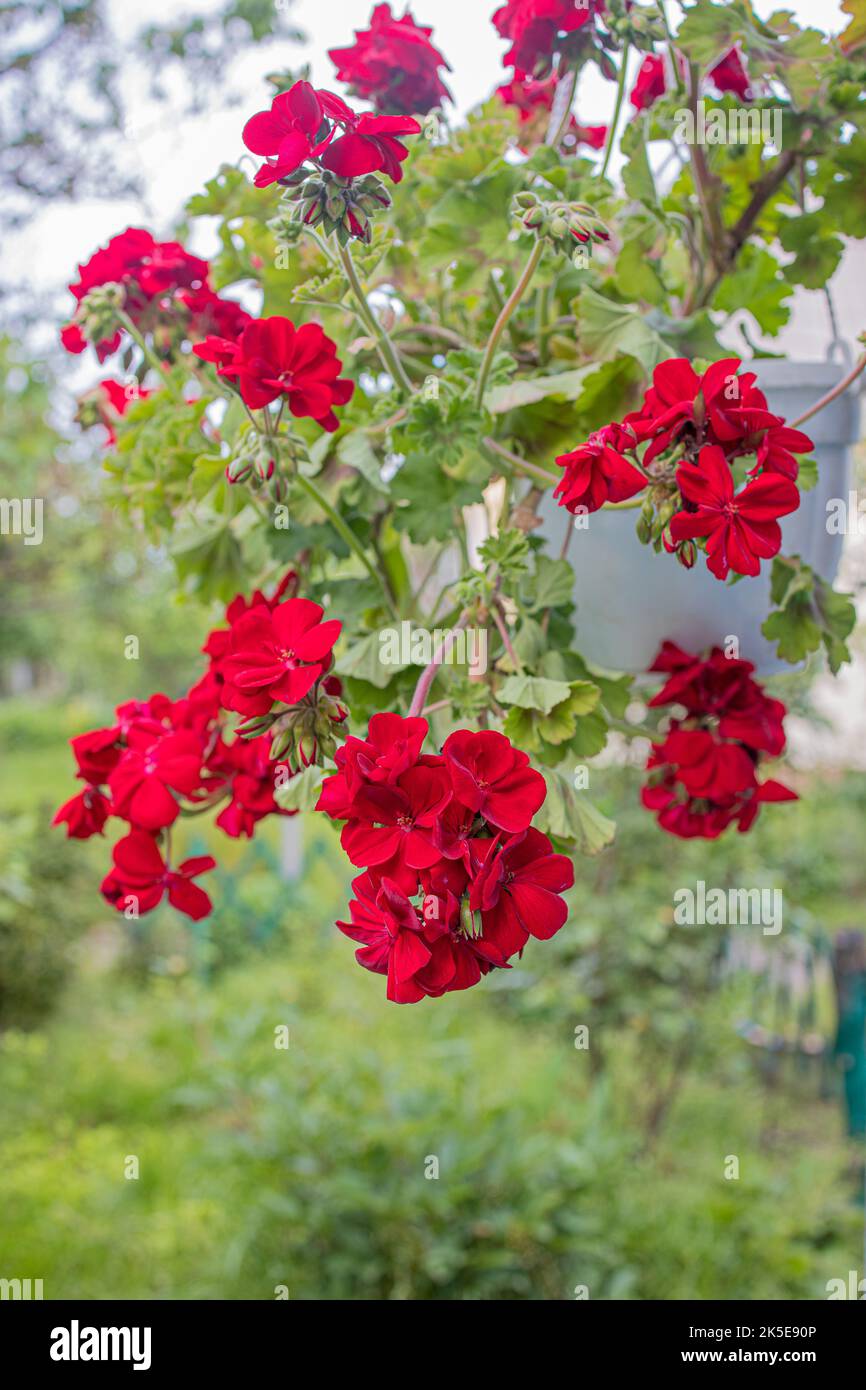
<point>494,779</point>
<point>393,64</point>
<point>594,474</point>
<point>739,529</point>
<point>391,747</point>
<point>392,828</point>
<point>277,655</point>
<point>516,886</point>
<point>704,772</point>
<point>273,359</point>
<point>140,879</point>
<point>150,772</point>
<point>303,125</point>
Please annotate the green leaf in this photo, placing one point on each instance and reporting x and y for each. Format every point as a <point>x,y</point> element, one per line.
<point>809,613</point>
<point>565,386</point>
<point>607,329</point>
<point>363,661</point>
<point>301,792</point>
<point>552,585</point>
<point>356,450</point>
<point>428,500</point>
<point>530,692</point>
<point>569,815</point>
<point>817,251</point>
<point>757,287</point>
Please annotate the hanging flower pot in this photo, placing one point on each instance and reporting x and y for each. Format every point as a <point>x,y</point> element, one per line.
<point>630,598</point>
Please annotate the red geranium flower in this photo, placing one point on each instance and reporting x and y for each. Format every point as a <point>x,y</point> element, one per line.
<point>149,772</point>
<point>729,75</point>
<point>740,530</point>
<point>392,828</point>
<point>703,774</point>
<point>391,747</point>
<point>421,956</point>
<point>84,815</point>
<point>141,877</point>
<point>277,655</point>
<point>293,131</point>
<point>273,358</point>
<point>651,82</point>
<point>516,887</point>
<point>393,64</point>
<point>596,473</point>
<point>493,778</point>
<point>535,26</point>
<point>302,124</point>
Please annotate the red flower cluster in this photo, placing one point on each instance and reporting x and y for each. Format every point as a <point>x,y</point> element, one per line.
<point>532,98</point>
<point>728,75</point>
<point>166,291</point>
<point>162,757</point>
<point>688,433</point>
<point>106,403</point>
<point>272,359</point>
<point>703,775</point>
<point>305,124</point>
<point>535,28</point>
<point>456,879</point>
<point>393,64</point>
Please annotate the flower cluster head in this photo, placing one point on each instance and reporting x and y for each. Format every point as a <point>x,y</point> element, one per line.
<point>571,228</point>
<point>106,403</point>
<point>162,758</point>
<point>532,98</point>
<point>537,30</point>
<point>456,879</point>
<point>703,775</point>
<point>717,465</point>
<point>394,65</point>
<point>727,75</point>
<point>158,285</point>
<point>306,125</point>
<point>273,360</point>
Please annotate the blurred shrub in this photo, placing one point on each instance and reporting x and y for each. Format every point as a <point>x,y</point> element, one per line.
<point>43,911</point>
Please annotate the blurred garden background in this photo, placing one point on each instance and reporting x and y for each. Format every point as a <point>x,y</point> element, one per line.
<point>562,1167</point>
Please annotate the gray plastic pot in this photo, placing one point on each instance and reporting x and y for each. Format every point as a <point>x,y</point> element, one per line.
<point>629,599</point>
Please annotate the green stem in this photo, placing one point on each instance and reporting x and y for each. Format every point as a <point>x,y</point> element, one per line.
<point>387,351</point>
<point>348,535</point>
<point>505,314</point>
<point>518,464</point>
<point>620,94</point>
<point>150,356</point>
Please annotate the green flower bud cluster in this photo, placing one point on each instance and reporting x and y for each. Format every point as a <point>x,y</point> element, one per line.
<point>96,315</point>
<point>305,733</point>
<point>569,227</point>
<point>659,506</point>
<point>642,26</point>
<point>343,207</point>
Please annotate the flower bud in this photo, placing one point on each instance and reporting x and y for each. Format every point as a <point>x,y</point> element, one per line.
<point>687,554</point>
